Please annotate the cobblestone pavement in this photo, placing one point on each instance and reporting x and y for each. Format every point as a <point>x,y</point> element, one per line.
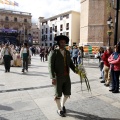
<point>30,96</point>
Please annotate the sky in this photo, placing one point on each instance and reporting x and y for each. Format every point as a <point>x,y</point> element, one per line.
<point>44,8</point>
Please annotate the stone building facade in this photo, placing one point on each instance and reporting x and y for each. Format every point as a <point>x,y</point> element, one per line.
<point>35,32</point>
<point>66,23</point>
<point>11,21</point>
<point>93,23</point>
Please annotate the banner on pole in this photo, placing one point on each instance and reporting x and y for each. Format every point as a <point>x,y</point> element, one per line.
<point>9,2</point>
<point>16,4</point>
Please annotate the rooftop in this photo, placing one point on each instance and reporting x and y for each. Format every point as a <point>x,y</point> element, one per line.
<point>62,14</point>
<point>14,12</point>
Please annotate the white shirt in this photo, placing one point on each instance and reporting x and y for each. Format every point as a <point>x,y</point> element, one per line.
<point>24,50</point>
<point>62,52</point>
<point>5,51</point>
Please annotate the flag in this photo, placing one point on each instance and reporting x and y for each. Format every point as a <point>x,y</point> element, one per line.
<point>1,1</point>
<point>11,3</point>
<point>6,2</point>
<point>16,4</point>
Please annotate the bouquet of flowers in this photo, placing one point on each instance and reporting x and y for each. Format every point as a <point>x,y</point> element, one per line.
<point>83,76</point>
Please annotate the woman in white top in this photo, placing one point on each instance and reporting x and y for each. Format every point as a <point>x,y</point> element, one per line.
<point>24,54</point>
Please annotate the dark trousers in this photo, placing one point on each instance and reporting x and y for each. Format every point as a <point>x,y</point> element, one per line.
<point>25,64</point>
<point>7,62</point>
<point>75,60</point>
<point>115,79</point>
<point>42,57</point>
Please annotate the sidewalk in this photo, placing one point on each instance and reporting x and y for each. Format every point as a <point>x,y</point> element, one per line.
<point>30,96</point>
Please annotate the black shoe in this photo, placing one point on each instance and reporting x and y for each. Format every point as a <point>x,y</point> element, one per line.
<point>26,70</point>
<point>107,85</point>
<point>100,77</point>
<point>115,91</point>
<point>22,70</point>
<point>60,113</point>
<point>64,109</point>
<point>9,70</point>
<point>102,81</point>
<point>111,90</point>
<point>5,71</point>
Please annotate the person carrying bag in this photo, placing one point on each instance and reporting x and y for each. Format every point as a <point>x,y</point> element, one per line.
<point>7,57</point>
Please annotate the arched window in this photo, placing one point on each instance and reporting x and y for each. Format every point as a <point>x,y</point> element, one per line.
<point>25,20</point>
<point>15,19</point>
<point>6,18</point>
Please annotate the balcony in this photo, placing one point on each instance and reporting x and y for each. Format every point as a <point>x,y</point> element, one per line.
<point>12,21</point>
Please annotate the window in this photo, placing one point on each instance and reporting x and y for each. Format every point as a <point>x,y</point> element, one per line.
<point>67,16</point>
<point>67,26</point>
<point>74,43</point>
<point>61,27</point>
<point>42,31</point>
<point>61,17</point>
<point>53,19</point>
<point>51,37</point>
<point>43,38</point>
<point>6,18</point>
<point>50,29</point>
<point>55,35</point>
<point>55,28</point>
<point>15,19</point>
<point>25,31</point>
<point>46,30</point>
<point>67,34</point>
<point>50,44</point>
<point>45,44</point>
<point>46,37</point>
<point>25,20</point>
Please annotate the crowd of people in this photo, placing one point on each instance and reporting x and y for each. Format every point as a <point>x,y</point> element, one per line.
<point>60,60</point>
<point>20,56</point>
<point>14,56</point>
<point>109,63</point>
<point>109,60</point>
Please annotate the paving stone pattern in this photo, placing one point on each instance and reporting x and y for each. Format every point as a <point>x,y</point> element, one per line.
<point>30,96</point>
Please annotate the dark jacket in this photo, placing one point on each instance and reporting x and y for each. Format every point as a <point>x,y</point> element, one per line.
<point>56,63</point>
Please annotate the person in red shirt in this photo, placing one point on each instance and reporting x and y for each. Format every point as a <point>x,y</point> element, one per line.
<point>105,57</point>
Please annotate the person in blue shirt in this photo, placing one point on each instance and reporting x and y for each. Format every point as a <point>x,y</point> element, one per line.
<point>75,55</point>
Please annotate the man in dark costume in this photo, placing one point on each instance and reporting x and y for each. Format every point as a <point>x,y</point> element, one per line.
<point>59,63</point>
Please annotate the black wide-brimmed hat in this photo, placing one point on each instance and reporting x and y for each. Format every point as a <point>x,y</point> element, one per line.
<point>61,37</point>
<point>25,44</point>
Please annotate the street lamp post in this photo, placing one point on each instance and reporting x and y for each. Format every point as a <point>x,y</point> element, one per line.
<point>116,8</point>
<point>110,25</point>
<point>116,22</point>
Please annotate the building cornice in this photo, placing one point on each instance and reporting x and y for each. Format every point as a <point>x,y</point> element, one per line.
<point>10,12</point>
<point>83,1</point>
<point>71,11</point>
